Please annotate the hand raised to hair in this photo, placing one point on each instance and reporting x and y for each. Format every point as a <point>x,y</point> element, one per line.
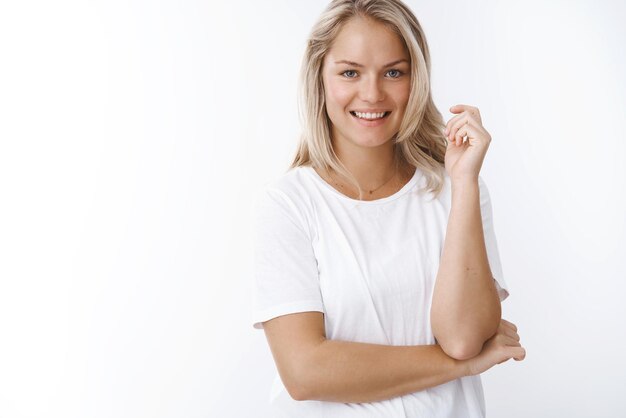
<point>464,159</point>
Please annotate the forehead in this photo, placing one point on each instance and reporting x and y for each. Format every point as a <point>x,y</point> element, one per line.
<point>367,42</point>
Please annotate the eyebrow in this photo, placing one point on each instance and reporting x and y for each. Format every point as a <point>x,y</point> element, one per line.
<point>354,64</point>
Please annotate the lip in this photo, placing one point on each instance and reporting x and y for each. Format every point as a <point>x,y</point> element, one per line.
<point>370,123</point>
<point>370,110</point>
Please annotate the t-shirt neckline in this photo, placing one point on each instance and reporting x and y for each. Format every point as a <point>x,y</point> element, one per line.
<point>342,196</point>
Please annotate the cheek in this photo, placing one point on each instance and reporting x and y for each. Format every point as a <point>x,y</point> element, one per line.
<point>338,94</point>
<point>401,99</point>
<point>402,93</point>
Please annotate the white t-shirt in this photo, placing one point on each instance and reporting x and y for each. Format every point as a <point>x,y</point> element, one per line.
<point>370,267</point>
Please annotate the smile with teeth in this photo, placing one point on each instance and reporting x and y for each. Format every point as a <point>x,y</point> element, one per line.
<point>370,116</point>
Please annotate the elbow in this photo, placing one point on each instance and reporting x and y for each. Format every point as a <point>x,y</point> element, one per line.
<point>296,385</point>
<point>301,385</point>
<point>296,392</point>
<point>460,347</point>
<point>464,350</point>
<point>467,347</point>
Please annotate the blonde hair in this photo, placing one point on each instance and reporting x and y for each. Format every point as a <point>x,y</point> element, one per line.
<point>420,141</point>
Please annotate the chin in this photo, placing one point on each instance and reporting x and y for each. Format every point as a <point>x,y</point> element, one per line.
<point>373,142</point>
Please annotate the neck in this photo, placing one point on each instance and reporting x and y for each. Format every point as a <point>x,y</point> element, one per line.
<point>372,167</point>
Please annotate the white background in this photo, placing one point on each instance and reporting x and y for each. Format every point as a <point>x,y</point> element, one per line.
<point>134,134</point>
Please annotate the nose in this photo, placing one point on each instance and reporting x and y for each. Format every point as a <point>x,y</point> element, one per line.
<point>371,90</point>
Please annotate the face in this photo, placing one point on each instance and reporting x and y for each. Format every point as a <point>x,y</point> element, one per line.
<point>366,70</point>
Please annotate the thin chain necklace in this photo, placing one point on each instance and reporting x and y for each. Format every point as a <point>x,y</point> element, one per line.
<point>373,190</point>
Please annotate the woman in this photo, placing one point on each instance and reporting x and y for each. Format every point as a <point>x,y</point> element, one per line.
<point>378,276</point>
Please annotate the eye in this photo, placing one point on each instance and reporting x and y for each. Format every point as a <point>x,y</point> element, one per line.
<point>397,71</point>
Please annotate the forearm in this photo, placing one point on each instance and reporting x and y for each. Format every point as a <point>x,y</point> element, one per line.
<point>466,308</point>
<point>344,371</point>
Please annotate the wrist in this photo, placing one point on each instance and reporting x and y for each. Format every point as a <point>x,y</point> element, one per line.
<point>463,188</point>
<point>464,180</point>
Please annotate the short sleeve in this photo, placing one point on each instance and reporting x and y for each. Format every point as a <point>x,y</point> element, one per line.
<point>285,270</point>
<point>491,243</point>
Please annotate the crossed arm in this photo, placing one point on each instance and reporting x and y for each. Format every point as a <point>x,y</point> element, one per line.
<point>466,308</point>
<point>465,313</point>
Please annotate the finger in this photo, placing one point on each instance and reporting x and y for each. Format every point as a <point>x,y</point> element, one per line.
<point>459,124</point>
<point>458,108</point>
<point>470,109</point>
<point>459,137</point>
<point>508,324</point>
<point>509,333</point>
<point>516,353</point>
<point>457,120</point>
<point>514,335</point>
<point>450,123</point>
<point>520,353</point>
<point>469,130</point>
<point>508,330</point>
<point>511,341</point>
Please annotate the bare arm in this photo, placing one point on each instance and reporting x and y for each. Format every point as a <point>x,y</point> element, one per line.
<point>466,309</point>
<point>315,368</point>
<point>343,371</point>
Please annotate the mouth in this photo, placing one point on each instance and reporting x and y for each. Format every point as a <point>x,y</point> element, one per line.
<point>372,116</point>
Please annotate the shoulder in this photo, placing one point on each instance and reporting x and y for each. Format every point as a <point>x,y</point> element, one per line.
<point>292,185</point>
<point>290,182</point>
<point>286,196</point>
